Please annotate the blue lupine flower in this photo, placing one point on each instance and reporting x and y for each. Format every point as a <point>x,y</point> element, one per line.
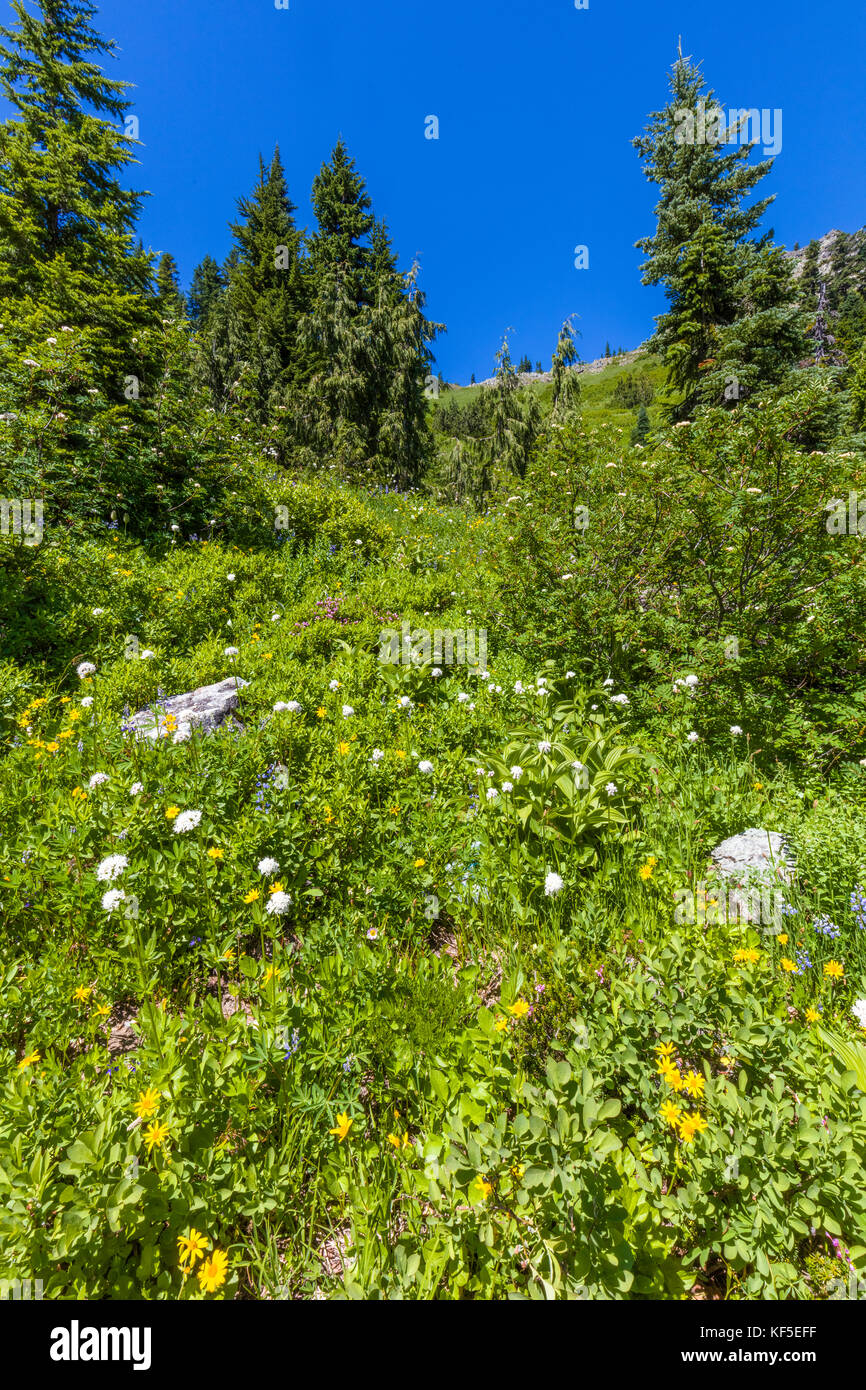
<point>825,927</point>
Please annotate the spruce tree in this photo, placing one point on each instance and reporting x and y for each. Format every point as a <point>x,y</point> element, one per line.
<point>715,272</point>
<point>566,383</point>
<point>206,289</point>
<point>67,251</point>
<point>642,426</point>
<point>266,295</point>
<point>169,299</point>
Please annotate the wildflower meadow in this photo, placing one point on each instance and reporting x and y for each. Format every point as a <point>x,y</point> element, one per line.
<point>370,756</point>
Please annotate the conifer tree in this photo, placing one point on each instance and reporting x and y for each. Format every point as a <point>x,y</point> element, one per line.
<point>206,289</point>
<point>642,426</point>
<point>266,294</point>
<point>170,301</point>
<point>67,251</point>
<point>566,383</point>
<point>714,271</point>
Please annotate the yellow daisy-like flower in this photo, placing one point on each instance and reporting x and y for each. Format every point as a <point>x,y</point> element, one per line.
<point>834,970</point>
<point>147,1104</point>
<point>647,870</point>
<point>212,1271</point>
<point>787,964</point>
<point>758,786</point>
<point>29,1060</point>
<point>399,752</point>
<point>519,1009</point>
<point>693,1082</point>
<point>82,994</point>
<point>674,1079</point>
<point>191,1247</point>
<point>155,1135</point>
<point>78,794</point>
<point>812,1015</point>
<point>67,733</point>
<point>172,813</point>
<point>747,957</point>
<point>215,853</point>
<point>272,973</point>
<point>419,863</point>
<point>342,1127</point>
<point>517,1170</point>
<point>52,747</point>
<point>395,1140</point>
<point>665,1049</point>
<point>691,1125</point>
<point>103,1010</point>
<point>342,748</point>
<point>482,1188</point>
<point>276,888</point>
<point>328,815</point>
<point>671,1114</point>
<point>228,954</point>
<point>321,712</point>
<point>501,1024</point>
<point>252,895</point>
<point>782,939</point>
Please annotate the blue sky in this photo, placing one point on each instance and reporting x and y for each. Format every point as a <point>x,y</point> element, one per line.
<point>537,102</point>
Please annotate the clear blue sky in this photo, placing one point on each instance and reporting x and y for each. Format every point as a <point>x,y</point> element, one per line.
<point>537,102</point>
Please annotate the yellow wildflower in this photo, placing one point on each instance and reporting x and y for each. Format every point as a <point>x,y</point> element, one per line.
<point>671,1114</point>
<point>147,1104</point>
<point>342,1127</point>
<point>191,1246</point>
<point>212,1272</point>
<point>834,970</point>
<point>155,1135</point>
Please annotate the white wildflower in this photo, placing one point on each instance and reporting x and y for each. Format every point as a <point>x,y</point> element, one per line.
<point>279,904</point>
<point>187,820</point>
<point>111,868</point>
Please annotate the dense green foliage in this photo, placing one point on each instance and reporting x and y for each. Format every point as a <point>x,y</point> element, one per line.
<point>384,988</point>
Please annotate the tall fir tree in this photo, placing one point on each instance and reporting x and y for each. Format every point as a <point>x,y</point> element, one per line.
<point>67,252</point>
<point>169,298</point>
<point>566,383</point>
<point>206,289</point>
<point>266,295</point>
<point>715,271</point>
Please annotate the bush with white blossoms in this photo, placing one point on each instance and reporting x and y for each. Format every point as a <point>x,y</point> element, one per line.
<point>268,867</point>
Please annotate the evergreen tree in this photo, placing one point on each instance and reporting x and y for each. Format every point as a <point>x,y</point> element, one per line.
<point>206,289</point>
<point>713,270</point>
<point>337,249</point>
<point>66,222</point>
<point>607,349</point>
<point>472,379</point>
<point>642,427</point>
<point>810,274</point>
<point>538,367</point>
<point>516,417</point>
<point>266,294</point>
<point>524,365</point>
<point>169,299</point>
<point>566,383</point>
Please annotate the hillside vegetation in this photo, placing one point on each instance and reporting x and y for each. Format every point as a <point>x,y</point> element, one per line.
<point>414,979</point>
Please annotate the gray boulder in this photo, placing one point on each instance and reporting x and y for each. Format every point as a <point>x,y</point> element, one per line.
<point>205,708</point>
<point>754,855</point>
